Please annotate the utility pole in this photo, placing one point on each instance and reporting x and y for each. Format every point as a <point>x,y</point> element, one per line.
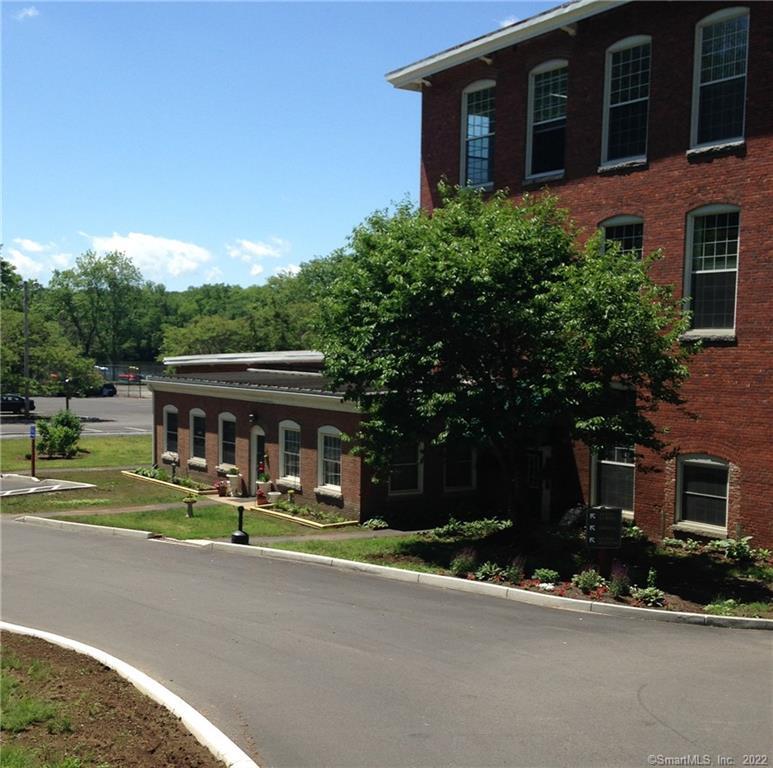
<point>26,349</point>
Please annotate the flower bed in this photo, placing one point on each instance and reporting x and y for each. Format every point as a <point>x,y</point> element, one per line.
<point>314,517</point>
<point>183,487</point>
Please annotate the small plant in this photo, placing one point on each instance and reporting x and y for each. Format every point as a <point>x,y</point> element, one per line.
<point>722,607</point>
<point>464,562</point>
<point>455,530</point>
<point>632,532</point>
<point>232,471</point>
<point>588,580</point>
<point>620,581</point>
<point>671,543</point>
<point>651,596</point>
<point>59,435</point>
<point>375,524</point>
<point>762,555</point>
<point>546,575</point>
<point>516,571</point>
<point>734,549</point>
<point>490,571</point>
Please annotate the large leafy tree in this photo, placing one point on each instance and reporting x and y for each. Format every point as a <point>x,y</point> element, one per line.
<point>486,321</point>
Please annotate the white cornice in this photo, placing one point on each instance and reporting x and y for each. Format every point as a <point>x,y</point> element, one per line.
<point>249,358</point>
<point>318,402</point>
<point>410,78</point>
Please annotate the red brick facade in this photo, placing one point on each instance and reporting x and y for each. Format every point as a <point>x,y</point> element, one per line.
<point>729,409</point>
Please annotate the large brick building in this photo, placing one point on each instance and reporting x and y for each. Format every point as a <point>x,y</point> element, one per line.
<point>654,122</point>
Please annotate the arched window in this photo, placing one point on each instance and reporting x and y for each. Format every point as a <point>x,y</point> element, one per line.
<point>546,136</point>
<point>478,123</point>
<point>290,453</point>
<point>711,267</point>
<point>719,77</point>
<point>329,461</point>
<point>226,438</point>
<point>626,231</point>
<point>170,429</point>
<point>702,491</point>
<point>198,436</point>
<point>626,100</point>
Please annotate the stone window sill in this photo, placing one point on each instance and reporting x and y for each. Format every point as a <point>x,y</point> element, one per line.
<point>222,469</point>
<point>709,334</point>
<point>701,529</point>
<point>332,491</point>
<point>716,150</point>
<point>624,166</point>
<point>289,482</point>
<point>544,178</point>
<point>200,465</point>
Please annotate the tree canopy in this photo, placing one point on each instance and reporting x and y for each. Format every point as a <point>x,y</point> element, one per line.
<point>487,321</point>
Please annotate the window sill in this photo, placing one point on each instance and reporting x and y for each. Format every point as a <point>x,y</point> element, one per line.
<point>623,166</point>
<point>460,489</point>
<point>726,335</point>
<point>289,482</point>
<point>200,465</point>
<point>405,494</point>
<point>170,457</point>
<point>701,529</point>
<point>332,491</point>
<point>543,178</point>
<point>710,151</point>
<point>487,187</point>
<point>628,515</point>
<point>222,469</point>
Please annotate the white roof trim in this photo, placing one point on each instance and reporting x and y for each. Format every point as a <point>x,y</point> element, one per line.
<point>249,358</point>
<point>409,78</point>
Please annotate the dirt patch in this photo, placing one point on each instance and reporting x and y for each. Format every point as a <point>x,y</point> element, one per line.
<point>108,721</point>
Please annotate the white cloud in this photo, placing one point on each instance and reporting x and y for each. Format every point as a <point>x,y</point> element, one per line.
<point>61,260</point>
<point>254,252</point>
<point>25,266</point>
<point>26,13</point>
<point>31,246</point>
<point>156,257</point>
<point>508,21</point>
<point>287,269</point>
<point>214,275</point>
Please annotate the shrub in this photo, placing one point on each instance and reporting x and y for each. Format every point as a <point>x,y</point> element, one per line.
<point>490,571</point>
<point>375,524</point>
<point>546,575</point>
<point>587,580</point>
<point>733,549</point>
<point>620,581</point>
<point>455,530</point>
<point>515,573</point>
<point>651,596</point>
<point>672,543</point>
<point>633,532</point>
<point>722,607</point>
<point>464,562</point>
<point>59,435</point>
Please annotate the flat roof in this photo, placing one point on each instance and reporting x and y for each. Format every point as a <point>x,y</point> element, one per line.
<point>306,356</point>
<point>413,76</point>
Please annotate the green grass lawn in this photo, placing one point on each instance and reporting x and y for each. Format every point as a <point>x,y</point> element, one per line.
<point>119,451</point>
<point>112,490</point>
<point>210,521</point>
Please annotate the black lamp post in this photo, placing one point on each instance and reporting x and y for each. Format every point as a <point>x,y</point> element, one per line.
<point>239,536</point>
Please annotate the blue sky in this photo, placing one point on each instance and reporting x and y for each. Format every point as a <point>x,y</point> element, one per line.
<point>212,142</point>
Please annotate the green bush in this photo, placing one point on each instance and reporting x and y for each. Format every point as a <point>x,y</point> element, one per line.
<point>734,549</point>
<point>516,571</point>
<point>464,562</point>
<point>546,575</point>
<point>620,581</point>
<point>375,524</point>
<point>587,580</point>
<point>455,530</point>
<point>59,435</point>
<point>490,571</point>
<point>651,596</point>
<point>632,532</point>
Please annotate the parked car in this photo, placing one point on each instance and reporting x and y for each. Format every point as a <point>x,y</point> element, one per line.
<point>106,390</point>
<point>15,403</point>
<point>131,377</point>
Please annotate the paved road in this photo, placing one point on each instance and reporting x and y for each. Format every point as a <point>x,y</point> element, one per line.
<point>119,415</point>
<point>309,666</point>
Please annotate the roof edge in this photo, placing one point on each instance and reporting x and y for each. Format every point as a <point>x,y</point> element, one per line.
<point>287,356</point>
<point>410,77</point>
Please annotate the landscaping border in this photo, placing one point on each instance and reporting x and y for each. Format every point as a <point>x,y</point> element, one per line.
<point>197,725</point>
<point>174,486</point>
<point>301,520</point>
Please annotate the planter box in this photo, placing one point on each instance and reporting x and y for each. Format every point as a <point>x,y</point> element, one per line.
<point>303,520</point>
<point>182,488</point>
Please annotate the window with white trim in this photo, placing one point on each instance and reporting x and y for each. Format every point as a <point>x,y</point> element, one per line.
<point>170,428</point>
<point>546,137</point>
<point>290,451</point>
<point>227,438</point>
<point>198,434</point>
<point>626,100</point>
<point>459,466</point>
<point>615,469</point>
<point>329,457</point>
<point>478,123</point>
<point>627,232</point>
<point>719,87</point>
<point>406,474</point>
<point>712,265</point>
<point>702,490</point>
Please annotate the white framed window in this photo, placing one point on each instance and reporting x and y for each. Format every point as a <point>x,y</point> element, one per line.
<point>459,470</point>
<point>170,429</point>
<point>613,478</point>
<point>478,124</point>
<point>719,77</point>
<point>290,453</point>
<point>406,476</point>
<point>627,232</point>
<point>546,134</point>
<point>198,434</point>
<point>226,438</point>
<point>702,491</point>
<point>626,100</point>
<point>329,461</point>
<point>711,266</point>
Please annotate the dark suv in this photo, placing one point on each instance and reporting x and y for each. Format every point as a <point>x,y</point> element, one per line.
<point>15,403</point>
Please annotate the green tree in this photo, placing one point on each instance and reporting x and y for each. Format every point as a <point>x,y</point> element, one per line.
<point>208,336</point>
<point>486,321</point>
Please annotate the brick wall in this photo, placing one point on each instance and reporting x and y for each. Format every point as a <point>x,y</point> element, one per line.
<point>729,406</point>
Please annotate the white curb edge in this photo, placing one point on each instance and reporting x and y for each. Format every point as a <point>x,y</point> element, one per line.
<point>205,733</point>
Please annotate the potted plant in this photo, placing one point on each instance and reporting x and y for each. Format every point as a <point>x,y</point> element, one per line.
<point>222,487</point>
<point>263,479</point>
<point>234,481</point>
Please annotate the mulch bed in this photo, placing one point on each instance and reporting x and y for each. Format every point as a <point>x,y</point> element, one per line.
<point>112,722</point>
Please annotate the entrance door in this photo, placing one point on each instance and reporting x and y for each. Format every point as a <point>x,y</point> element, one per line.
<point>257,454</point>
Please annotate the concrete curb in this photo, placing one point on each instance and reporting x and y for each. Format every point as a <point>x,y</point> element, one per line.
<point>443,582</point>
<point>204,732</point>
<point>66,525</point>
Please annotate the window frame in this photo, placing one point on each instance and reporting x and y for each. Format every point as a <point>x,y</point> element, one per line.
<point>725,14</point>
<point>703,459</point>
<point>473,473</point>
<point>323,488</point>
<point>623,220</point>
<point>199,462</point>
<point>292,481</point>
<point>478,85</point>
<point>687,283</point>
<point>632,41</point>
<point>628,514</point>
<point>222,417</point>
<point>541,69</point>
<point>169,409</point>
<point>419,490</point>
